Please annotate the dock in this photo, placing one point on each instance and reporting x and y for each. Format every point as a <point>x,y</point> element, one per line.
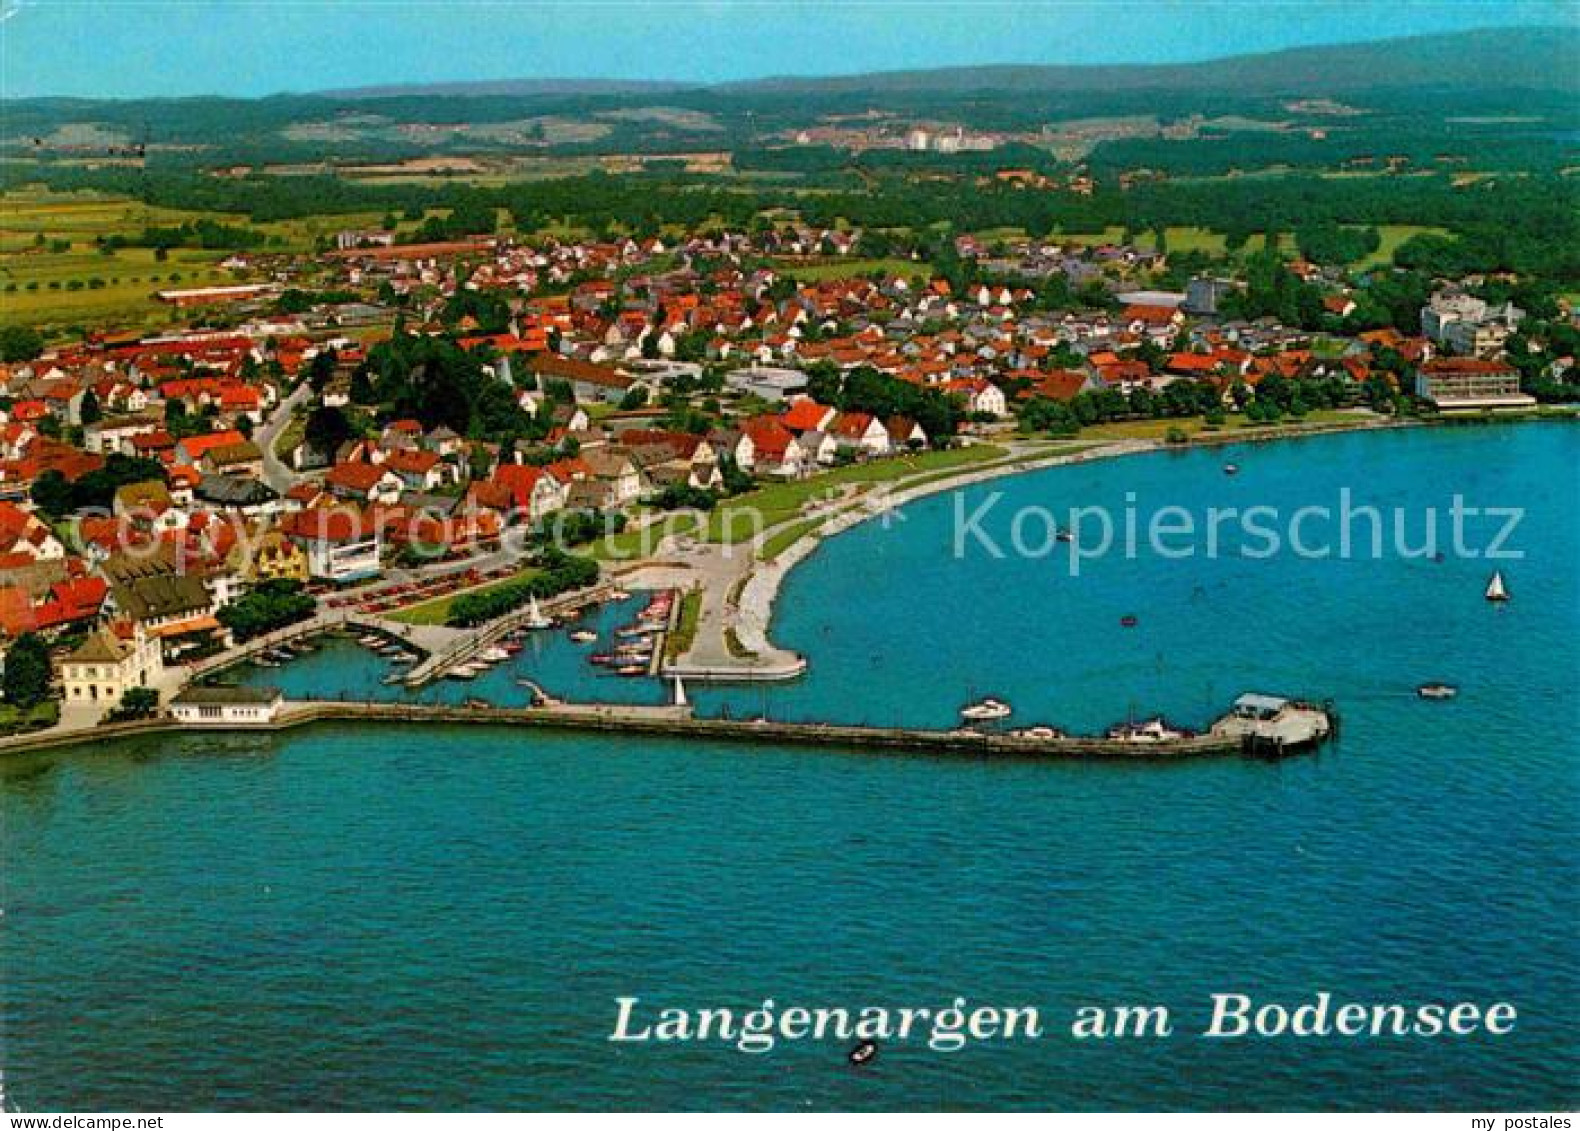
<point>1234,734</point>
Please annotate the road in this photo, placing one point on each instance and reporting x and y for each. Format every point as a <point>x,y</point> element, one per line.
<point>275,473</point>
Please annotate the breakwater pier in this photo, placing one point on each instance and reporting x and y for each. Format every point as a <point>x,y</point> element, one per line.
<point>1300,727</point>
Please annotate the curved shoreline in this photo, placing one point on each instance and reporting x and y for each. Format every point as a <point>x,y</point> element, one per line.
<point>764,581</point>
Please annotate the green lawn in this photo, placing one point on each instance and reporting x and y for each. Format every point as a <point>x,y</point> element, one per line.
<point>631,544</point>
<point>685,627</point>
<point>437,611</point>
<point>15,721</point>
<point>782,539</point>
<point>1191,425</point>
<point>746,515</point>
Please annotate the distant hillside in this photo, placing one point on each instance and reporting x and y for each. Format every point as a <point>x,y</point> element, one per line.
<point>1527,58</point>
<point>526,88</point>
<point>1522,58</point>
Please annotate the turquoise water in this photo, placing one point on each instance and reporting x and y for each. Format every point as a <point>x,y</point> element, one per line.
<point>422,918</point>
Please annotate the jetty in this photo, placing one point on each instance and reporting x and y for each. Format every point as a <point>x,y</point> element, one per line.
<point>1247,729</point>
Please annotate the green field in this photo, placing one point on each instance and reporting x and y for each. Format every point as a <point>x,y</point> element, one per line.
<point>81,288</point>
<point>848,268</point>
<point>1392,236</point>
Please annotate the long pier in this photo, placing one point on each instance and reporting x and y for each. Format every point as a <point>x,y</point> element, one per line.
<point>679,722</point>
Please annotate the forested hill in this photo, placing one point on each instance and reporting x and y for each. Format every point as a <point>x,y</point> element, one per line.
<point>1501,99</point>
<point>1527,58</point>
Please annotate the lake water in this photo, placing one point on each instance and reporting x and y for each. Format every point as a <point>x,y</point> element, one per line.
<point>416,918</point>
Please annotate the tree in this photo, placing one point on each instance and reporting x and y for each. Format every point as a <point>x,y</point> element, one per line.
<point>19,343</point>
<point>136,703</point>
<point>327,428</point>
<point>272,605</point>
<point>321,370</point>
<point>26,680</point>
<point>51,493</point>
<point>89,412</point>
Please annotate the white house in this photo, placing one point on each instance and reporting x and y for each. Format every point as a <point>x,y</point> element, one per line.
<point>110,663</point>
<point>241,706</point>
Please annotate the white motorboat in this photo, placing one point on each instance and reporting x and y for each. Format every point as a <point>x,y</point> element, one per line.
<point>584,636</point>
<point>1147,731</point>
<point>985,710</point>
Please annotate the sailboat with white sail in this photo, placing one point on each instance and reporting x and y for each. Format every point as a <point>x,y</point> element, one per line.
<point>535,617</point>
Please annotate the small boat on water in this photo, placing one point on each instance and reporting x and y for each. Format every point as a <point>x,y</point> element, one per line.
<point>864,1053</point>
<point>1497,591</point>
<point>512,647</point>
<point>636,630</point>
<point>1065,535</point>
<point>986,710</point>
<point>535,617</point>
<point>403,657</point>
<point>493,655</point>
<point>1437,691</point>
<point>1147,731</point>
<point>584,636</point>
<point>631,670</point>
<point>601,658</point>
<point>1231,469</point>
<point>1129,620</point>
<point>463,671</point>
<point>265,662</point>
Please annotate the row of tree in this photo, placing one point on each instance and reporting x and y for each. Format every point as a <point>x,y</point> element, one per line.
<point>558,573</point>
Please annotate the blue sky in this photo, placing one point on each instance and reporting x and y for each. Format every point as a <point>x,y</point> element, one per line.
<point>129,48</point>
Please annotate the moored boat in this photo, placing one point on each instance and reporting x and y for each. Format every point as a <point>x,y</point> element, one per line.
<point>535,617</point>
<point>1437,691</point>
<point>1043,732</point>
<point>986,710</point>
<point>584,636</point>
<point>1147,731</point>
